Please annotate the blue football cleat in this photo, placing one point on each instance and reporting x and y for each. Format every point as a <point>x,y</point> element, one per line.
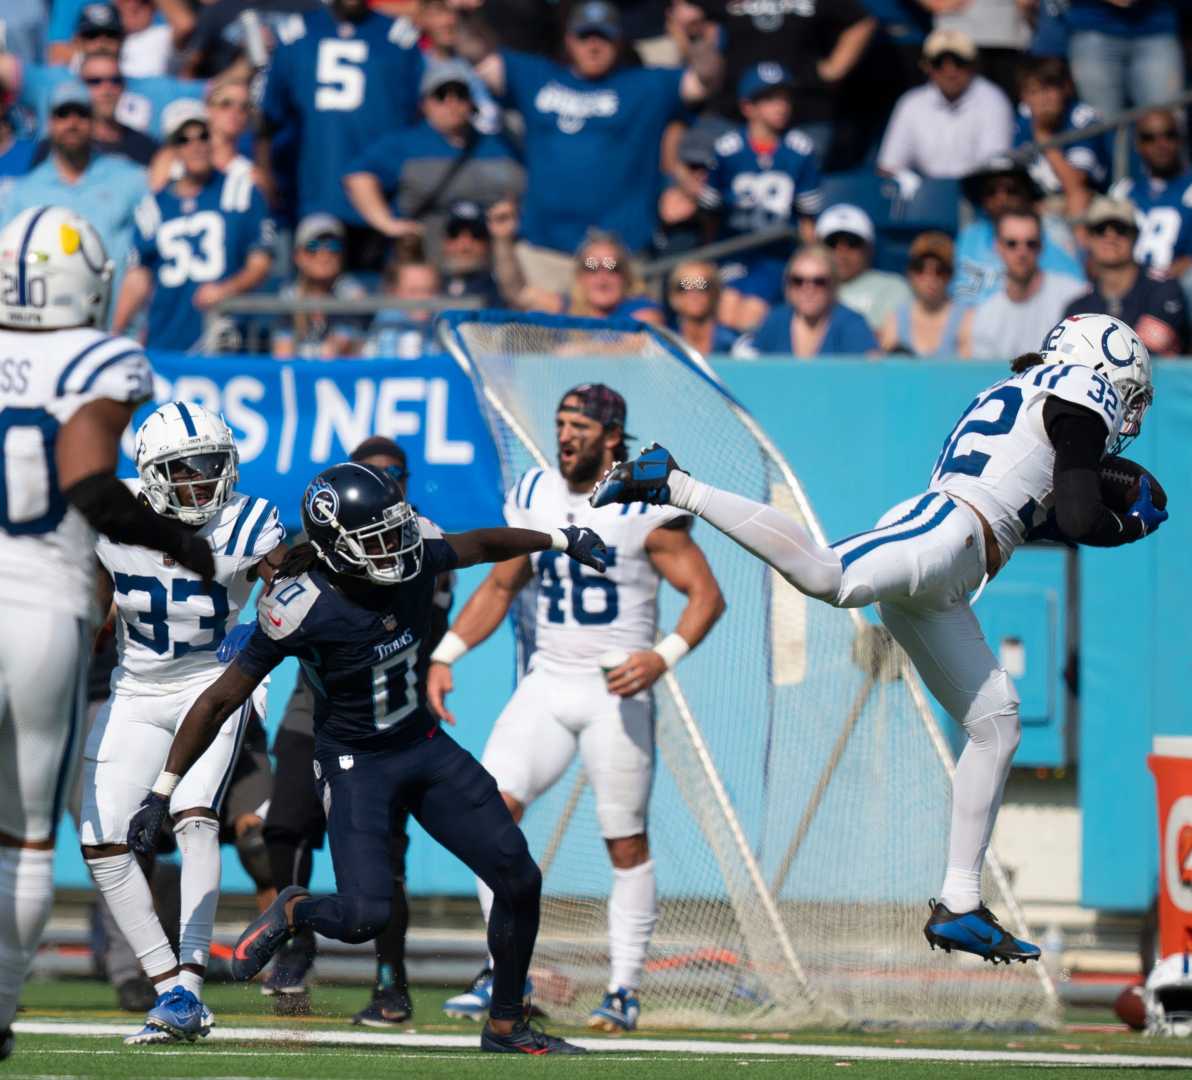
<point>474,1002</point>
<point>617,1012</point>
<point>641,480</point>
<point>267,933</point>
<point>977,932</point>
<point>177,1016</point>
<point>524,1039</point>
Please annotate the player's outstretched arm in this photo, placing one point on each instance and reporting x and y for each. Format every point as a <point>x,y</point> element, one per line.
<point>498,544</point>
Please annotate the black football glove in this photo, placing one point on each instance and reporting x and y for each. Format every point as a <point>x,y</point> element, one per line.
<point>585,546</point>
<point>146,823</point>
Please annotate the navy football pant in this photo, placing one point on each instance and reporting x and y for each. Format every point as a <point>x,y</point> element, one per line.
<point>456,801</point>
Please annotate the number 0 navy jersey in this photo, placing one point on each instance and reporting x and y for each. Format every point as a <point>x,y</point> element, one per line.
<point>361,658</point>
<point>999,459</point>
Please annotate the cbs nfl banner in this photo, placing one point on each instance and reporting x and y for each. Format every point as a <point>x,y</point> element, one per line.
<point>293,418</point>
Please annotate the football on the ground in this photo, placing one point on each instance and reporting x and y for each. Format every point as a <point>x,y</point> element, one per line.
<point>1130,1008</point>
<point>1120,484</point>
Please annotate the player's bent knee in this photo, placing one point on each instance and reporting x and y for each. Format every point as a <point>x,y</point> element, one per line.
<point>364,917</point>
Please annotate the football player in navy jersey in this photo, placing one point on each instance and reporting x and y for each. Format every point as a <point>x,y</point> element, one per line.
<point>353,604</point>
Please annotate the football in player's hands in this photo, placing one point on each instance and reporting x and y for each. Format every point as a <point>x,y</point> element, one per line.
<point>1120,484</point>
<point>585,546</point>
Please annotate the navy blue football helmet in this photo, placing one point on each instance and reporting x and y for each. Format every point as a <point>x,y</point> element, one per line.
<point>358,521</point>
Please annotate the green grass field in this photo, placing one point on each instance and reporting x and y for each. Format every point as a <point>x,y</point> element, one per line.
<point>250,1042</point>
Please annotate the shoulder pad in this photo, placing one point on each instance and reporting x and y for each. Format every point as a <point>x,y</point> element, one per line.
<point>1081,386</point>
<point>521,495</point>
<point>291,29</point>
<point>404,33</point>
<point>799,142</point>
<point>729,143</point>
<point>108,367</point>
<point>429,530</point>
<point>285,604</point>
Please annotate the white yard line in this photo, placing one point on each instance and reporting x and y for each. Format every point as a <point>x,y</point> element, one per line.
<point>631,1046</point>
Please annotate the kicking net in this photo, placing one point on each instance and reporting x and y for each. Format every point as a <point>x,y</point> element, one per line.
<point>801,801</point>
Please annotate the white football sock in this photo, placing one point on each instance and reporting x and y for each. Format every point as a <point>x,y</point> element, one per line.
<point>632,915</point>
<point>192,981</point>
<point>764,532</point>
<point>125,889</point>
<point>26,896</point>
<point>198,844</point>
<point>485,895</point>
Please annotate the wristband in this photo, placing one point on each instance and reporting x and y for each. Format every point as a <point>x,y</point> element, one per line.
<point>558,540</point>
<point>449,649</point>
<point>164,785</point>
<point>672,649</point>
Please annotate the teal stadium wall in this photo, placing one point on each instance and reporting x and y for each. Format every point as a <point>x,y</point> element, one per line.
<point>862,436</point>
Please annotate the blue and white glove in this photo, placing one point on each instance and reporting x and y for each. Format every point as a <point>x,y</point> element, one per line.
<point>582,544</point>
<point>1149,516</point>
<point>234,641</point>
<point>145,824</point>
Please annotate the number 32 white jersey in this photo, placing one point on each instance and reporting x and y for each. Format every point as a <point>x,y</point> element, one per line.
<point>46,545</point>
<point>999,459</point>
<point>169,623</point>
<point>580,614</point>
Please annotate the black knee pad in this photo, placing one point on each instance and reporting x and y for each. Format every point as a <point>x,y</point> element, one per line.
<point>364,917</point>
<point>254,855</point>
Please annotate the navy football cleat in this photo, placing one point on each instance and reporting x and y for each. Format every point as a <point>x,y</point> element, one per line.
<point>977,932</point>
<point>640,480</point>
<point>524,1039</point>
<point>388,1008</point>
<point>267,933</point>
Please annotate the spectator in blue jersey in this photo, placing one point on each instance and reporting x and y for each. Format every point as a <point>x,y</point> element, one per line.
<point>229,111</point>
<point>1125,52</point>
<point>763,175</point>
<point>1162,194</point>
<point>203,239</point>
<point>593,134</point>
<point>16,153</point>
<point>1047,108</point>
<point>340,79</point>
<point>1000,185</point>
<point>693,293</point>
<point>405,333</point>
<point>812,322</point>
<point>103,188</point>
<point>405,183</point>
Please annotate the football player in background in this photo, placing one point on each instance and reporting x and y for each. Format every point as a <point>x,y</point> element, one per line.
<point>354,603</point>
<point>565,704</point>
<point>170,624</point>
<point>67,392</point>
<point>1025,455</point>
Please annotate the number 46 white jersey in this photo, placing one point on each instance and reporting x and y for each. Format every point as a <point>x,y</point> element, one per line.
<point>169,623</point>
<point>580,613</point>
<point>999,459</point>
<point>46,546</point>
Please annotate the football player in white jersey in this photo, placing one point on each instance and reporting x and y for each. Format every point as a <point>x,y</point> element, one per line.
<point>565,703</point>
<point>169,626</point>
<point>67,392</point>
<point>1026,454</point>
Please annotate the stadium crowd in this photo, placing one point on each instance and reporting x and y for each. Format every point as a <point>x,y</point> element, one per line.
<point>536,155</point>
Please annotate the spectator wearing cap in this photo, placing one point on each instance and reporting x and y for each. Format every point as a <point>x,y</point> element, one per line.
<point>439,21</point>
<point>203,239</point>
<point>103,188</point>
<point>466,260</point>
<point>229,112</point>
<point>1000,185</point>
<point>1161,193</point>
<point>593,131</point>
<point>1125,52</point>
<point>1030,302</point>
<point>319,242</point>
<point>931,324</point>
<point>1149,301</point>
<point>764,174</point>
<point>952,124</point>
<point>693,292</point>
<point>682,223</point>
<point>847,232</point>
<point>405,333</point>
<point>1047,108</point>
<point>812,322</point>
<point>405,183</point>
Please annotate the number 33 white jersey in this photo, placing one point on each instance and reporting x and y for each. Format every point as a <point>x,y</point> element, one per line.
<point>46,545</point>
<point>999,459</point>
<point>581,614</point>
<point>169,623</point>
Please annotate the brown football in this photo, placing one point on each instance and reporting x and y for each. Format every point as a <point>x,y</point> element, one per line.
<point>1120,482</point>
<point>1130,1009</point>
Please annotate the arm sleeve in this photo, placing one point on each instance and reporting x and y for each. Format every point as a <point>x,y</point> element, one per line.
<point>1078,435</point>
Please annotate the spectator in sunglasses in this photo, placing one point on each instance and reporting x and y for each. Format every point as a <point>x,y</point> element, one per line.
<point>467,259</point>
<point>1030,302</point>
<point>950,125</point>
<point>607,284</point>
<point>1151,303</point>
<point>812,322</point>
<point>693,291</point>
<point>847,231</point>
<point>931,324</point>
<point>319,261</point>
<point>229,111</point>
<point>205,238</point>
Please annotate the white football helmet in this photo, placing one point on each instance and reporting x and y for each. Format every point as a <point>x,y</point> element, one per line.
<point>1168,997</point>
<point>54,272</point>
<point>187,461</point>
<point>1113,350</point>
